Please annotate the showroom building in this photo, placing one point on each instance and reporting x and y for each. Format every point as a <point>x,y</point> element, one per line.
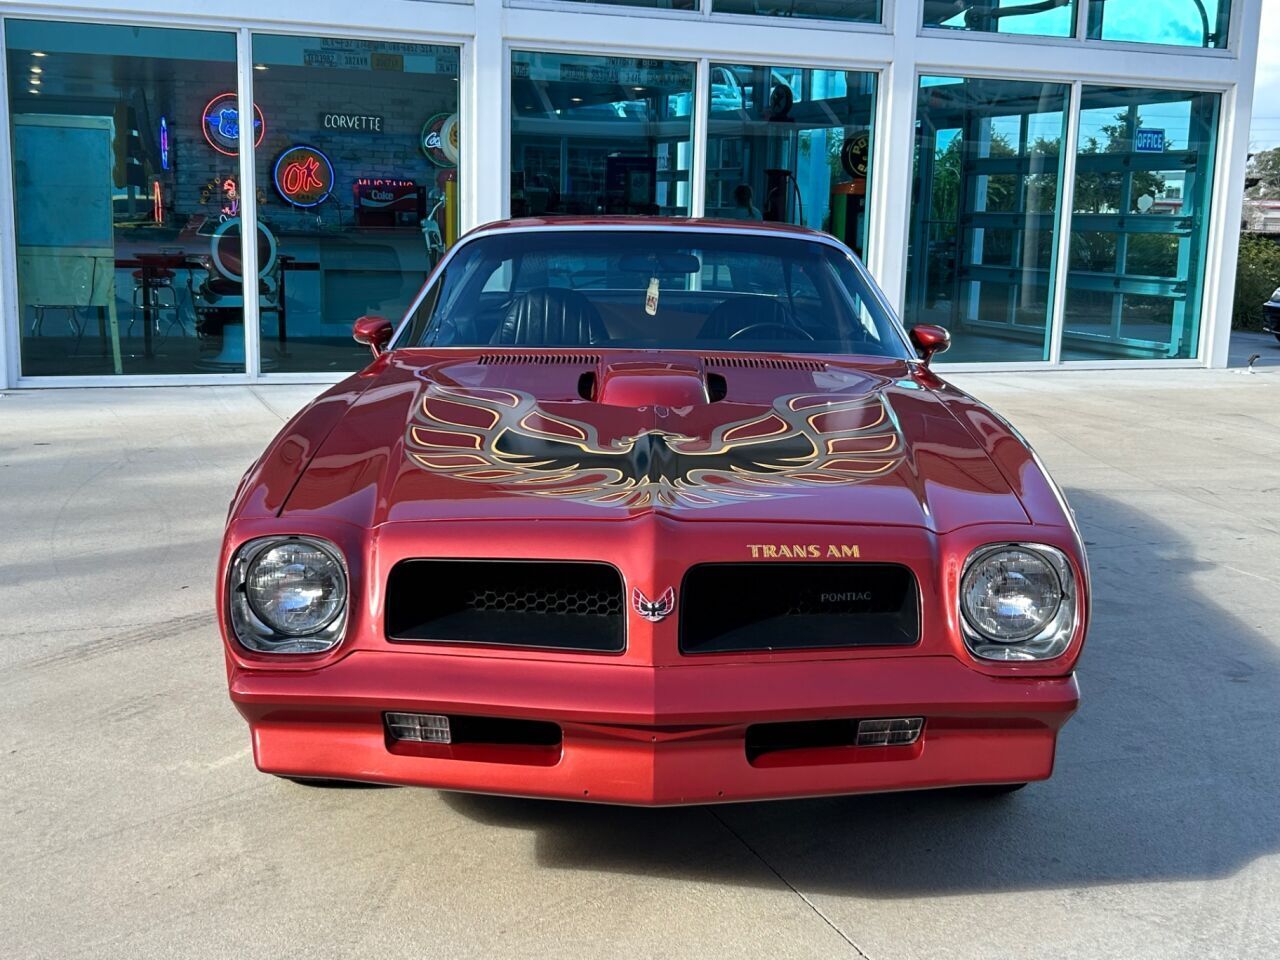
<point>1056,181</point>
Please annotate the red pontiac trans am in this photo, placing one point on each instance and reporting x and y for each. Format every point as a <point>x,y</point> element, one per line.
<point>652,512</point>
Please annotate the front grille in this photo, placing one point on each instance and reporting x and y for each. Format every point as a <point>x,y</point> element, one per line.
<point>512,603</point>
<point>758,607</point>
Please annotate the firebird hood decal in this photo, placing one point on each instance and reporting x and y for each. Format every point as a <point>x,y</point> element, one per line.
<point>445,437</point>
<point>506,439</point>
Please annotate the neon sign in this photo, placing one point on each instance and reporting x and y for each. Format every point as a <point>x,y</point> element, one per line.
<point>439,139</point>
<point>164,143</point>
<point>303,176</point>
<point>157,202</point>
<point>220,121</point>
<point>226,193</point>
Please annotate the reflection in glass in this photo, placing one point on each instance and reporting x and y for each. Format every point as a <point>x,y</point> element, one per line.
<point>357,187</point>
<point>862,11</point>
<point>1183,23</point>
<point>660,4</point>
<point>792,145</point>
<point>600,135</point>
<point>1143,177</point>
<point>984,210</point>
<point>126,192</point>
<point>1045,18</point>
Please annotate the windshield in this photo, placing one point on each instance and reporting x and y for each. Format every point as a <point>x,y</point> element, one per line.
<point>654,289</point>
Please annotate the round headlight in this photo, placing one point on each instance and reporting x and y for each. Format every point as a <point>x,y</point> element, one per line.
<point>296,587</point>
<point>1010,594</point>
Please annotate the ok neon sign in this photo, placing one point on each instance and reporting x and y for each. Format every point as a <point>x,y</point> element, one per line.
<point>304,176</point>
<point>300,177</point>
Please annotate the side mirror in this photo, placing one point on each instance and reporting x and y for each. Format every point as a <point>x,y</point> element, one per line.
<point>928,339</point>
<point>374,331</point>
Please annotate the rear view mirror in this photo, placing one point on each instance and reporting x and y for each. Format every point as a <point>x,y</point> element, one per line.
<point>652,265</point>
<point>374,331</point>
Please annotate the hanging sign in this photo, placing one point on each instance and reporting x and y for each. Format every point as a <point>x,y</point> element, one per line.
<point>352,122</point>
<point>853,155</point>
<point>221,124</point>
<point>337,54</point>
<point>164,143</point>
<point>303,176</point>
<point>1148,140</point>
<point>440,139</point>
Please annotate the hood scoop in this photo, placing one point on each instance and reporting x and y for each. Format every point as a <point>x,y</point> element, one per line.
<point>651,384</point>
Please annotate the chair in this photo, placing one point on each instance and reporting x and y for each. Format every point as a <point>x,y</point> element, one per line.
<point>551,317</point>
<point>149,294</point>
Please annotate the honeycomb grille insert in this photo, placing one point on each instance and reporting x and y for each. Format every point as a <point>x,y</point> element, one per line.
<point>509,603</point>
<point>559,602</point>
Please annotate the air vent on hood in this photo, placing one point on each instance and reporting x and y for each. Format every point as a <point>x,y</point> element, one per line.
<point>764,363</point>
<point>503,359</point>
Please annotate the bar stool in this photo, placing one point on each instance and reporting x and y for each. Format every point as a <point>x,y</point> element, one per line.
<point>153,291</point>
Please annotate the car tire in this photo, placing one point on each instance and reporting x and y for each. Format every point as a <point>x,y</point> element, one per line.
<point>992,791</point>
<point>320,782</point>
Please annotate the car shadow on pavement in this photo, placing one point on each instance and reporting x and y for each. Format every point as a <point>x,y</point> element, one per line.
<point>1169,771</point>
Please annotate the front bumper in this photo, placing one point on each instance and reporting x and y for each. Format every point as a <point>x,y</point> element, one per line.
<point>1271,317</point>
<point>653,735</point>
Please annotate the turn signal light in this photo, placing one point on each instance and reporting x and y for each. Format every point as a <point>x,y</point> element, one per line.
<point>422,727</point>
<point>889,733</point>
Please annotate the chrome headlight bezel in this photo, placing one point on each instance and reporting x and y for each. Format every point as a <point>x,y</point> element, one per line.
<point>1050,640</point>
<point>252,631</point>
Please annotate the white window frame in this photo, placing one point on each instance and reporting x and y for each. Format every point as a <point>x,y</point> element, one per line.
<point>899,50</point>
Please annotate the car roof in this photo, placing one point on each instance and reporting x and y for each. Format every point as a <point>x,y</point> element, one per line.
<point>615,222</point>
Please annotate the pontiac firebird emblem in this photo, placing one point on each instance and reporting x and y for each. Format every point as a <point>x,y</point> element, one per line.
<point>653,610</point>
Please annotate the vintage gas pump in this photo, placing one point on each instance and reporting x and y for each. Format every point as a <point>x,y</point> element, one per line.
<point>849,197</point>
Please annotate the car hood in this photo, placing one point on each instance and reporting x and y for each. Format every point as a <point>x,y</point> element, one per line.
<point>603,436</point>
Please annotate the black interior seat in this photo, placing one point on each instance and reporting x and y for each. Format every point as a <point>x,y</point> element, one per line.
<point>551,317</point>
<point>738,313</point>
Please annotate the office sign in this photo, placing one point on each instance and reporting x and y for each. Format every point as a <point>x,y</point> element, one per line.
<point>1148,140</point>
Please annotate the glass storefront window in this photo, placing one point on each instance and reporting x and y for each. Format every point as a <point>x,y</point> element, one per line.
<point>860,11</point>
<point>792,145</point>
<point>1183,23</point>
<point>659,4</point>
<point>600,135</point>
<point>985,203</point>
<point>1044,18</point>
<point>1144,172</point>
<point>126,193</point>
<point>357,188</point>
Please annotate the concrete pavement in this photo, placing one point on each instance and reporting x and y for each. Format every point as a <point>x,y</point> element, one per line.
<point>136,826</point>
